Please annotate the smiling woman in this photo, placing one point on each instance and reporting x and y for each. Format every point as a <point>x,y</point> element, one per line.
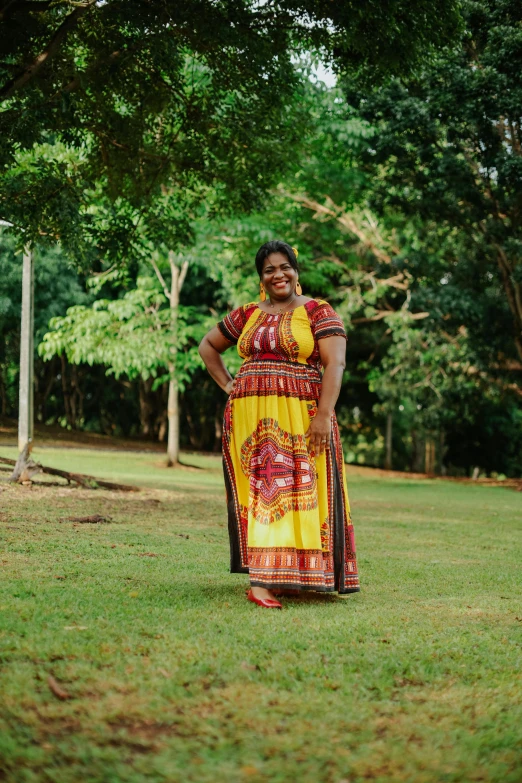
<point>288,509</point>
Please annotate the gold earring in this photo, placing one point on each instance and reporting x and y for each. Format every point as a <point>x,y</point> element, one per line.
<point>262,293</point>
<point>298,288</point>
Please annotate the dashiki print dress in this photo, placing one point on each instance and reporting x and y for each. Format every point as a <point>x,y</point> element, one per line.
<point>288,511</point>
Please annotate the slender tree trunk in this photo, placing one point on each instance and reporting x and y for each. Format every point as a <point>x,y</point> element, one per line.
<point>417,452</point>
<point>3,395</point>
<point>442,453</point>
<point>26,396</point>
<point>146,408</point>
<point>173,401</point>
<point>389,437</point>
<point>176,284</point>
<point>26,401</point>
<point>42,393</point>
<point>429,461</point>
<point>67,395</point>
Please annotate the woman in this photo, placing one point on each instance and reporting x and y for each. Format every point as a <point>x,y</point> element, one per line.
<point>288,510</point>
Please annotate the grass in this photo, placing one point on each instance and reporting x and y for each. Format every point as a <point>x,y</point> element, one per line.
<point>172,676</point>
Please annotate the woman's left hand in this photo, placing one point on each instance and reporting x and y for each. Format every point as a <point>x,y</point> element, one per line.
<point>319,433</point>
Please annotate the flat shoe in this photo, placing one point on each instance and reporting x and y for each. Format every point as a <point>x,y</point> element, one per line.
<point>267,603</point>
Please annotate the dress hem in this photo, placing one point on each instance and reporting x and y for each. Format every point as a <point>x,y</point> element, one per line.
<point>303,588</point>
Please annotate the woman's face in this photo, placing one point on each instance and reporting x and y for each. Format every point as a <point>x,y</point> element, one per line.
<point>279,276</point>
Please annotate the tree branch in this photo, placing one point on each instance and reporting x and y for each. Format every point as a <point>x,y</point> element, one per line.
<point>347,222</point>
<point>183,274</point>
<point>513,295</point>
<point>30,71</point>
<point>160,278</point>
<point>384,313</point>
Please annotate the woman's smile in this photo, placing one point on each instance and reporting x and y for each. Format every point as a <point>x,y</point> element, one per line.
<point>279,277</point>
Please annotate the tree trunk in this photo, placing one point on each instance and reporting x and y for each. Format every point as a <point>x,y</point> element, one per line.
<point>48,372</point>
<point>429,460</point>
<point>512,289</point>
<point>173,401</point>
<point>389,436</point>
<point>176,284</point>
<point>442,453</point>
<point>67,396</point>
<point>173,418</point>
<point>417,452</point>
<point>146,409</point>
<point>3,395</point>
<point>26,400</point>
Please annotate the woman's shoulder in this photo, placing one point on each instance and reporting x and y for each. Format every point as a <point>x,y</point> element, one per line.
<point>314,304</point>
<point>325,322</point>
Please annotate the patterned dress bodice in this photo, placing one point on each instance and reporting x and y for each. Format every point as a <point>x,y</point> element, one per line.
<point>286,337</point>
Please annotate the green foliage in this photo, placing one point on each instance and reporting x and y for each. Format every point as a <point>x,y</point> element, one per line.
<point>403,202</point>
<point>132,336</point>
<point>57,287</point>
<point>447,148</point>
<point>108,107</point>
<point>421,372</point>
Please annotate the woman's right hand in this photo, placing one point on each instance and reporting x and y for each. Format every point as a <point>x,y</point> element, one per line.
<point>229,388</point>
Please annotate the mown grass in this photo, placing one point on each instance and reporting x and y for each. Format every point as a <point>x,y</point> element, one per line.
<point>172,676</point>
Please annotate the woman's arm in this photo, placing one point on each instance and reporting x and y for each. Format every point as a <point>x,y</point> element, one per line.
<point>210,349</point>
<point>332,351</point>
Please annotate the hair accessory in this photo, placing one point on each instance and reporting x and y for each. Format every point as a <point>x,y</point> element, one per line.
<point>262,292</point>
<point>296,252</point>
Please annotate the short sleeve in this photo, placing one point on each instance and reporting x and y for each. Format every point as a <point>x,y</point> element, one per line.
<point>325,322</point>
<point>233,324</point>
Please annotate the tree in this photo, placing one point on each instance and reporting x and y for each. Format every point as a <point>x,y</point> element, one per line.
<point>419,348</point>
<point>177,278</point>
<point>447,147</point>
<point>112,102</point>
<point>135,336</point>
<point>57,287</point>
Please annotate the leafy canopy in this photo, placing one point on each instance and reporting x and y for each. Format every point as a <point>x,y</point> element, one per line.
<point>170,99</point>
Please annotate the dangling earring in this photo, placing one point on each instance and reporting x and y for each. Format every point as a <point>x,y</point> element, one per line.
<point>298,288</point>
<point>262,292</point>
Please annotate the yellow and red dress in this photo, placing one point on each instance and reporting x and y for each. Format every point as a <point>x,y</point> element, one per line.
<point>288,511</point>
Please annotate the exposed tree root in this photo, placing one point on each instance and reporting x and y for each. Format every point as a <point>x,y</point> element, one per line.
<point>25,468</point>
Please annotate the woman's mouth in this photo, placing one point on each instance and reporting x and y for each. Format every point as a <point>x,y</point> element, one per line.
<point>281,284</point>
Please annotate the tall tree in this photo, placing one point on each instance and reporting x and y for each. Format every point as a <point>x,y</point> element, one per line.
<point>448,147</point>
<point>130,99</point>
<point>145,334</point>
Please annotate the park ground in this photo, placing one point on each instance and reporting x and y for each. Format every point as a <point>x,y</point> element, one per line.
<point>129,653</point>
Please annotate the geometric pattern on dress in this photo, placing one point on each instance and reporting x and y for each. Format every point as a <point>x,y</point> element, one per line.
<point>279,470</point>
<point>266,377</point>
<point>309,569</point>
<point>269,336</point>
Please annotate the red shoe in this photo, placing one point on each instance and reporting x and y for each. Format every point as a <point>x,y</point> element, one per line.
<point>268,603</point>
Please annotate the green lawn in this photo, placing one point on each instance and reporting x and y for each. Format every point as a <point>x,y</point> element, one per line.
<point>172,676</point>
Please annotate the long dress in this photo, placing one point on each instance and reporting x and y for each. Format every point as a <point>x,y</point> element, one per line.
<point>288,510</point>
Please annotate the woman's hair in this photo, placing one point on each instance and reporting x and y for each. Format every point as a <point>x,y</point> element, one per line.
<point>275,246</point>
